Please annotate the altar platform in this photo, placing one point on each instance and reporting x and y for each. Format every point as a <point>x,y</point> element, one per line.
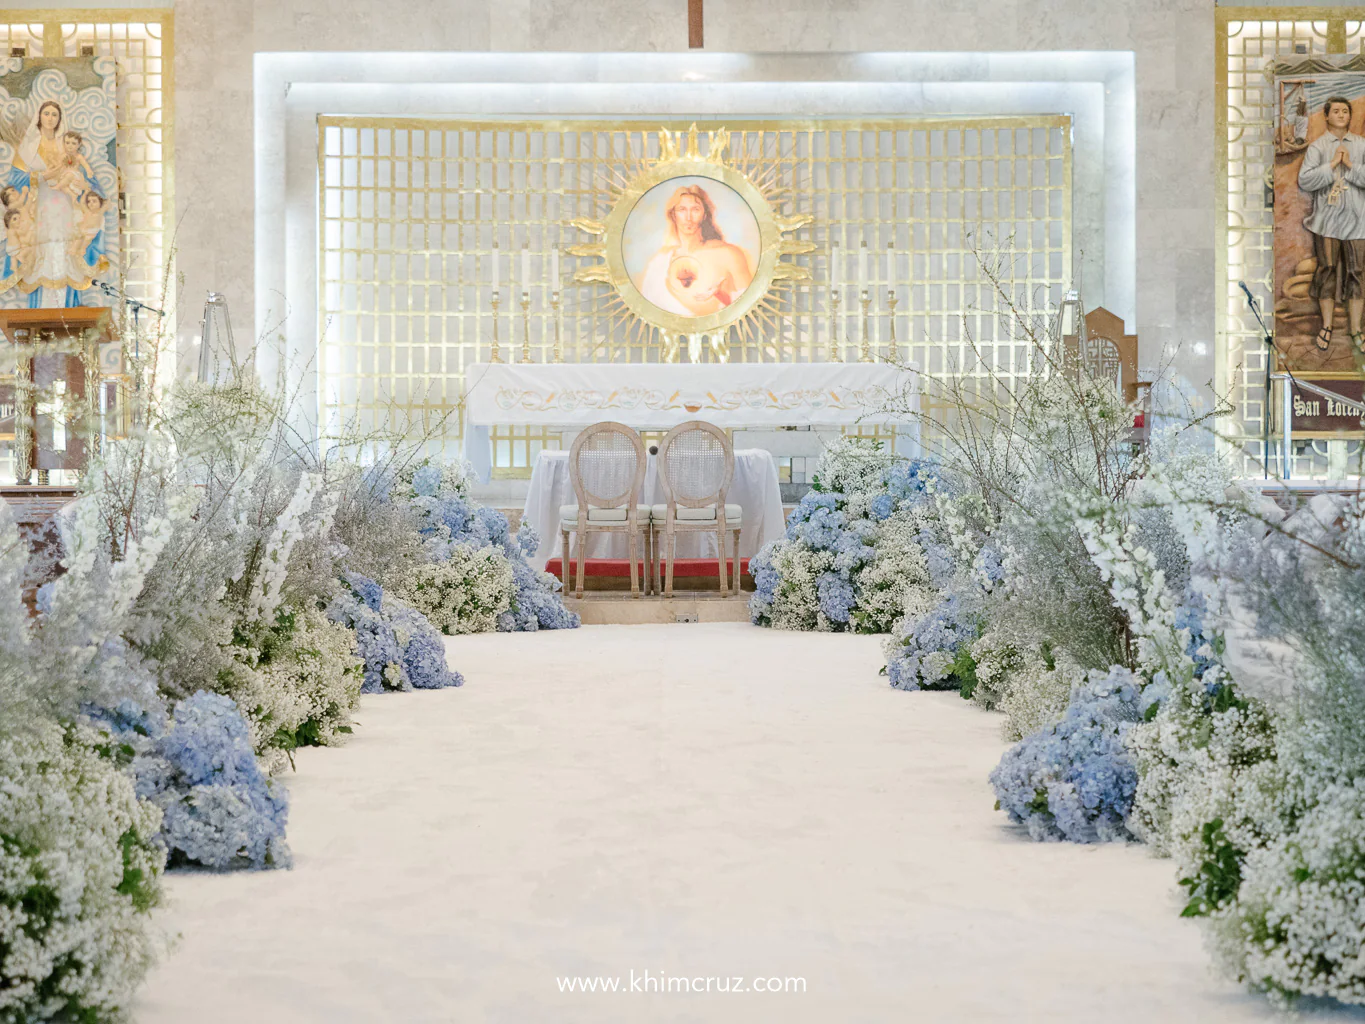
<point>614,608</point>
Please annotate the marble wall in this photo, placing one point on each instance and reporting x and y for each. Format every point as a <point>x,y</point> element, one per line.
<point>1172,43</point>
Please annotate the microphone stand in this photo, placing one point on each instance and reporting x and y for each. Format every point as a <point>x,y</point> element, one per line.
<point>137,308</point>
<point>1269,354</point>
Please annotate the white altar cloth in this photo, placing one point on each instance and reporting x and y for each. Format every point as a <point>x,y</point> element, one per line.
<point>754,487</point>
<point>652,396</point>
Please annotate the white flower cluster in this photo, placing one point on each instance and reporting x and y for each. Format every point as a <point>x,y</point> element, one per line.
<point>78,873</point>
<point>464,594</point>
<point>297,687</point>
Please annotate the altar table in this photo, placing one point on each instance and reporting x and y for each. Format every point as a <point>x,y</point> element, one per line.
<point>658,396</point>
<point>754,487</point>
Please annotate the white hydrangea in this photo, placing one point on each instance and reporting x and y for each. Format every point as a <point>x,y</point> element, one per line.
<point>78,872</point>
<point>463,594</point>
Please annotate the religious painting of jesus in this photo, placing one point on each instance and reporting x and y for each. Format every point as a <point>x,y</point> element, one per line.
<point>691,245</point>
<point>58,180</point>
<point>1319,195</point>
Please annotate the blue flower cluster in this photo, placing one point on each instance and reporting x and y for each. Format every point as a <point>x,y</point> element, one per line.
<point>817,520</point>
<point>929,645</point>
<point>836,596</point>
<point>400,648</point>
<point>1075,780</point>
<point>537,603</point>
<point>911,481</point>
<point>218,808</point>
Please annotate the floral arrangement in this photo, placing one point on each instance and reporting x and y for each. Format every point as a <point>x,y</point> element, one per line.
<point>79,872</point>
<point>1074,779</point>
<point>474,577</point>
<point>851,557</point>
<point>398,645</point>
<point>218,808</point>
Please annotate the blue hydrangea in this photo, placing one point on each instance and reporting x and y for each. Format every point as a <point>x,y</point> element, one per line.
<point>536,603</point>
<point>1075,780</point>
<point>218,808</point>
<point>989,568</point>
<point>909,482</point>
<point>836,596</point>
<point>528,540</point>
<point>427,480</point>
<point>881,507</point>
<point>924,659</point>
<point>851,553</point>
<point>766,581</point>
<point>400,649</point>
<point>424,652</point>
<point>367,590</point>
<point>817,521</point>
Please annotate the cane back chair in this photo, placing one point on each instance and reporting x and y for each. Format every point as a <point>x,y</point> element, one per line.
<point>696,464</point>
<point>607,469</point>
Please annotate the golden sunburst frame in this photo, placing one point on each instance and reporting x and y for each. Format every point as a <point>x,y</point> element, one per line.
<point>680,157</point>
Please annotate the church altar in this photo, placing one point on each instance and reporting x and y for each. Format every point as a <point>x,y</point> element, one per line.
<point>658,396</point>
<point>655,396</point>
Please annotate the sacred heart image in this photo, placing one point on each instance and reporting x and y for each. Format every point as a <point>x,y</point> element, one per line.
<point>691,245</point>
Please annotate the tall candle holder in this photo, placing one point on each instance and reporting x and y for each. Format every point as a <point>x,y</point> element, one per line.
<point>865,346</point>
<point>496,356</point>
<point>557,353</point>
<point>894,354</point>
<point>525,326</point>
<point>834,356</point>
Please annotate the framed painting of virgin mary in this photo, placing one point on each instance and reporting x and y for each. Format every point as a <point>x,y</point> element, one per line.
<point>58,181</point>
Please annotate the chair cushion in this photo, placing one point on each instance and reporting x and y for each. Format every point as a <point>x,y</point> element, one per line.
<point>569,514</point>
<point>706,514</point>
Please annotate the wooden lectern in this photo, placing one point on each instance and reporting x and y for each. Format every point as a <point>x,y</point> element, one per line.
<point>52,395</point>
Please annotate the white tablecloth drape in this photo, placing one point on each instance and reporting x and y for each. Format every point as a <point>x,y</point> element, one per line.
<point>754,487</point>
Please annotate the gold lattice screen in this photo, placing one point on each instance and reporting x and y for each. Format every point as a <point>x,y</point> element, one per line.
<point>1248,39</point>
<point>410,211</point>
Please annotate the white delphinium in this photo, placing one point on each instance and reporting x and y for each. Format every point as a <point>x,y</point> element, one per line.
<point>78,872</point>
<point>267,591</point>
<point>463,594</point>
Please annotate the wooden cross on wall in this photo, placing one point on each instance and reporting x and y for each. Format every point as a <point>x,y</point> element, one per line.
<point>694,14</point>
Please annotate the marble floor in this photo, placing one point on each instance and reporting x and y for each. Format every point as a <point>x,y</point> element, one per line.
<point>699,801</point>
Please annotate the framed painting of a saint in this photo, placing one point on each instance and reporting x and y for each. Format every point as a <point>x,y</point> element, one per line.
<point>58,180</point>
<point>1319,197</point>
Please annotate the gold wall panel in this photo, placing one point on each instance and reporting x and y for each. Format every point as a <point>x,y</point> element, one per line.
<point>410,210</point>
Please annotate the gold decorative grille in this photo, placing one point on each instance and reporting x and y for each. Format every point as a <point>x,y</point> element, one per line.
<point>1248,38</point>
<point>411,209</point>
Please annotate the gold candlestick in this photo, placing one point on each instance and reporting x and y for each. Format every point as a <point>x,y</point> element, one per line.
<point>865,346</point>
<point>495,357</point>
<point>894,356</point>
<point>525,327</point>
<point>558,353</point>
<point>834,356</point>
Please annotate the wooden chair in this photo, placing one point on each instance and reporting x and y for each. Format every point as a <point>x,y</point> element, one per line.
<point>696,465</point>
<point>607,468</point>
